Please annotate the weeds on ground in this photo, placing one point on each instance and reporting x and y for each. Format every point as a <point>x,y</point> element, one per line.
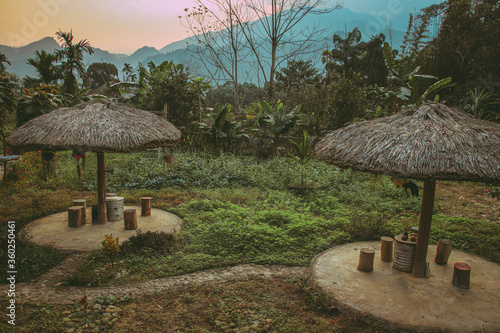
<point>238,306</point>
<point>237,210</point>
<point>31,260</point>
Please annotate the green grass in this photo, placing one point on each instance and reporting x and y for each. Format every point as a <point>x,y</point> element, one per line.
<point>235,210</point>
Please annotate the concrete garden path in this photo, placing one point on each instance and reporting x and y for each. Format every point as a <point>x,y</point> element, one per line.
<point>48,287</point>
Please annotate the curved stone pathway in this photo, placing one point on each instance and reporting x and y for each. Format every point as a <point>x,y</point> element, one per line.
<point>47,288</point>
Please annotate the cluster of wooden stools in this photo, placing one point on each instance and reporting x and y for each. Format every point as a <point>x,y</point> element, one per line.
<point>77,214</point>
<point>404,251</point>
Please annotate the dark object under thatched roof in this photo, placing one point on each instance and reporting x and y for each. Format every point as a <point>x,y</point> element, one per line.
<point>98,126</point>
<point>432,141</point>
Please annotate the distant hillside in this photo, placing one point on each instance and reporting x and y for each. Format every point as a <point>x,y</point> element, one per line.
<point>141,54</point>
<point>19,55</point>
<point>337,22</point>
<point>181,44</point>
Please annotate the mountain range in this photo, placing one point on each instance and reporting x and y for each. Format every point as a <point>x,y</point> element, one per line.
<point>337,22</point>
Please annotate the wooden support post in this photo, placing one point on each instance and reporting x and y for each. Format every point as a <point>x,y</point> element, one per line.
<point>75,217</point>
<point>146,206</point>
<point>443,251</point>
<point>366,257</point>
<point>101,188</point>
<point>95,214</point>
<point>461,275</point>
<point>130,219</point>
<point>386,244</point>
<point>424,228</point>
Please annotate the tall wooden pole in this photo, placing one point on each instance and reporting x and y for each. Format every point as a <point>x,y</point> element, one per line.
<point>101,188</point>
<point>424,228</point>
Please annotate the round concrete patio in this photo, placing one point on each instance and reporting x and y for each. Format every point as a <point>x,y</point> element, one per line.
<point>54,230</point>
<point>406,301</point>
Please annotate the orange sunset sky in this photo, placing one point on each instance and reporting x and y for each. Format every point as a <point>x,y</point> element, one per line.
<point>119,26</point>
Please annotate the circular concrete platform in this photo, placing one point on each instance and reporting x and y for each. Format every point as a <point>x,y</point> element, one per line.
<point>54,230</point>
<point>406,301</point>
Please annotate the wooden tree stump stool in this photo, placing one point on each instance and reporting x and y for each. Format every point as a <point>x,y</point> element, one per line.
<point>443,251</point>
<point>130,219</point>
<point>95,214</point>
<point>386,244</point>
<point>461,275</point>
<point>81,202</point>
<point>75,217</point>
<point>366,257</point>
<point>146,206</point>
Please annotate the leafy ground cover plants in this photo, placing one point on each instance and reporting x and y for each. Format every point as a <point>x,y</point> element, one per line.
<point>237,210</point>
<point>238,306</point>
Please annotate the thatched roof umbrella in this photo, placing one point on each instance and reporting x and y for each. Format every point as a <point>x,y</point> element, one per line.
<point>431,142</point>
<point>99,126</point>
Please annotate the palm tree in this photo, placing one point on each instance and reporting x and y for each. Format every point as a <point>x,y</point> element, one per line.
<point>71,58</point>
<point>3,59</point>
<point>127,72</point>
<point>45,68</point>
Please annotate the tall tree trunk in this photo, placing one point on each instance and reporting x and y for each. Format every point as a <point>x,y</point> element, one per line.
<point>274,48</point>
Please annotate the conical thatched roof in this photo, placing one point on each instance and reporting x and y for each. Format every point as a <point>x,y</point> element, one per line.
<point>432,141</point>
<point>98,126</point>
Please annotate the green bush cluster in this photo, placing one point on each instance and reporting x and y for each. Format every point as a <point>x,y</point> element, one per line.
<point>154,241</point>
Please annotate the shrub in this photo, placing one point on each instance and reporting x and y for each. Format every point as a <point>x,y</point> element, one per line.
<point>155,241</point>
<point>85,276</point>
<point>366,225</point>
<point>110,248</point>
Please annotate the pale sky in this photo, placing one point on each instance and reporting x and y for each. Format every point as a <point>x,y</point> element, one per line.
<point>118,26</point>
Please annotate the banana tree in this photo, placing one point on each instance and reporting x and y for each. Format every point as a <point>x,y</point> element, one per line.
<point>402,77</point>
<point>278,120</point>
<point>221,128</point>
